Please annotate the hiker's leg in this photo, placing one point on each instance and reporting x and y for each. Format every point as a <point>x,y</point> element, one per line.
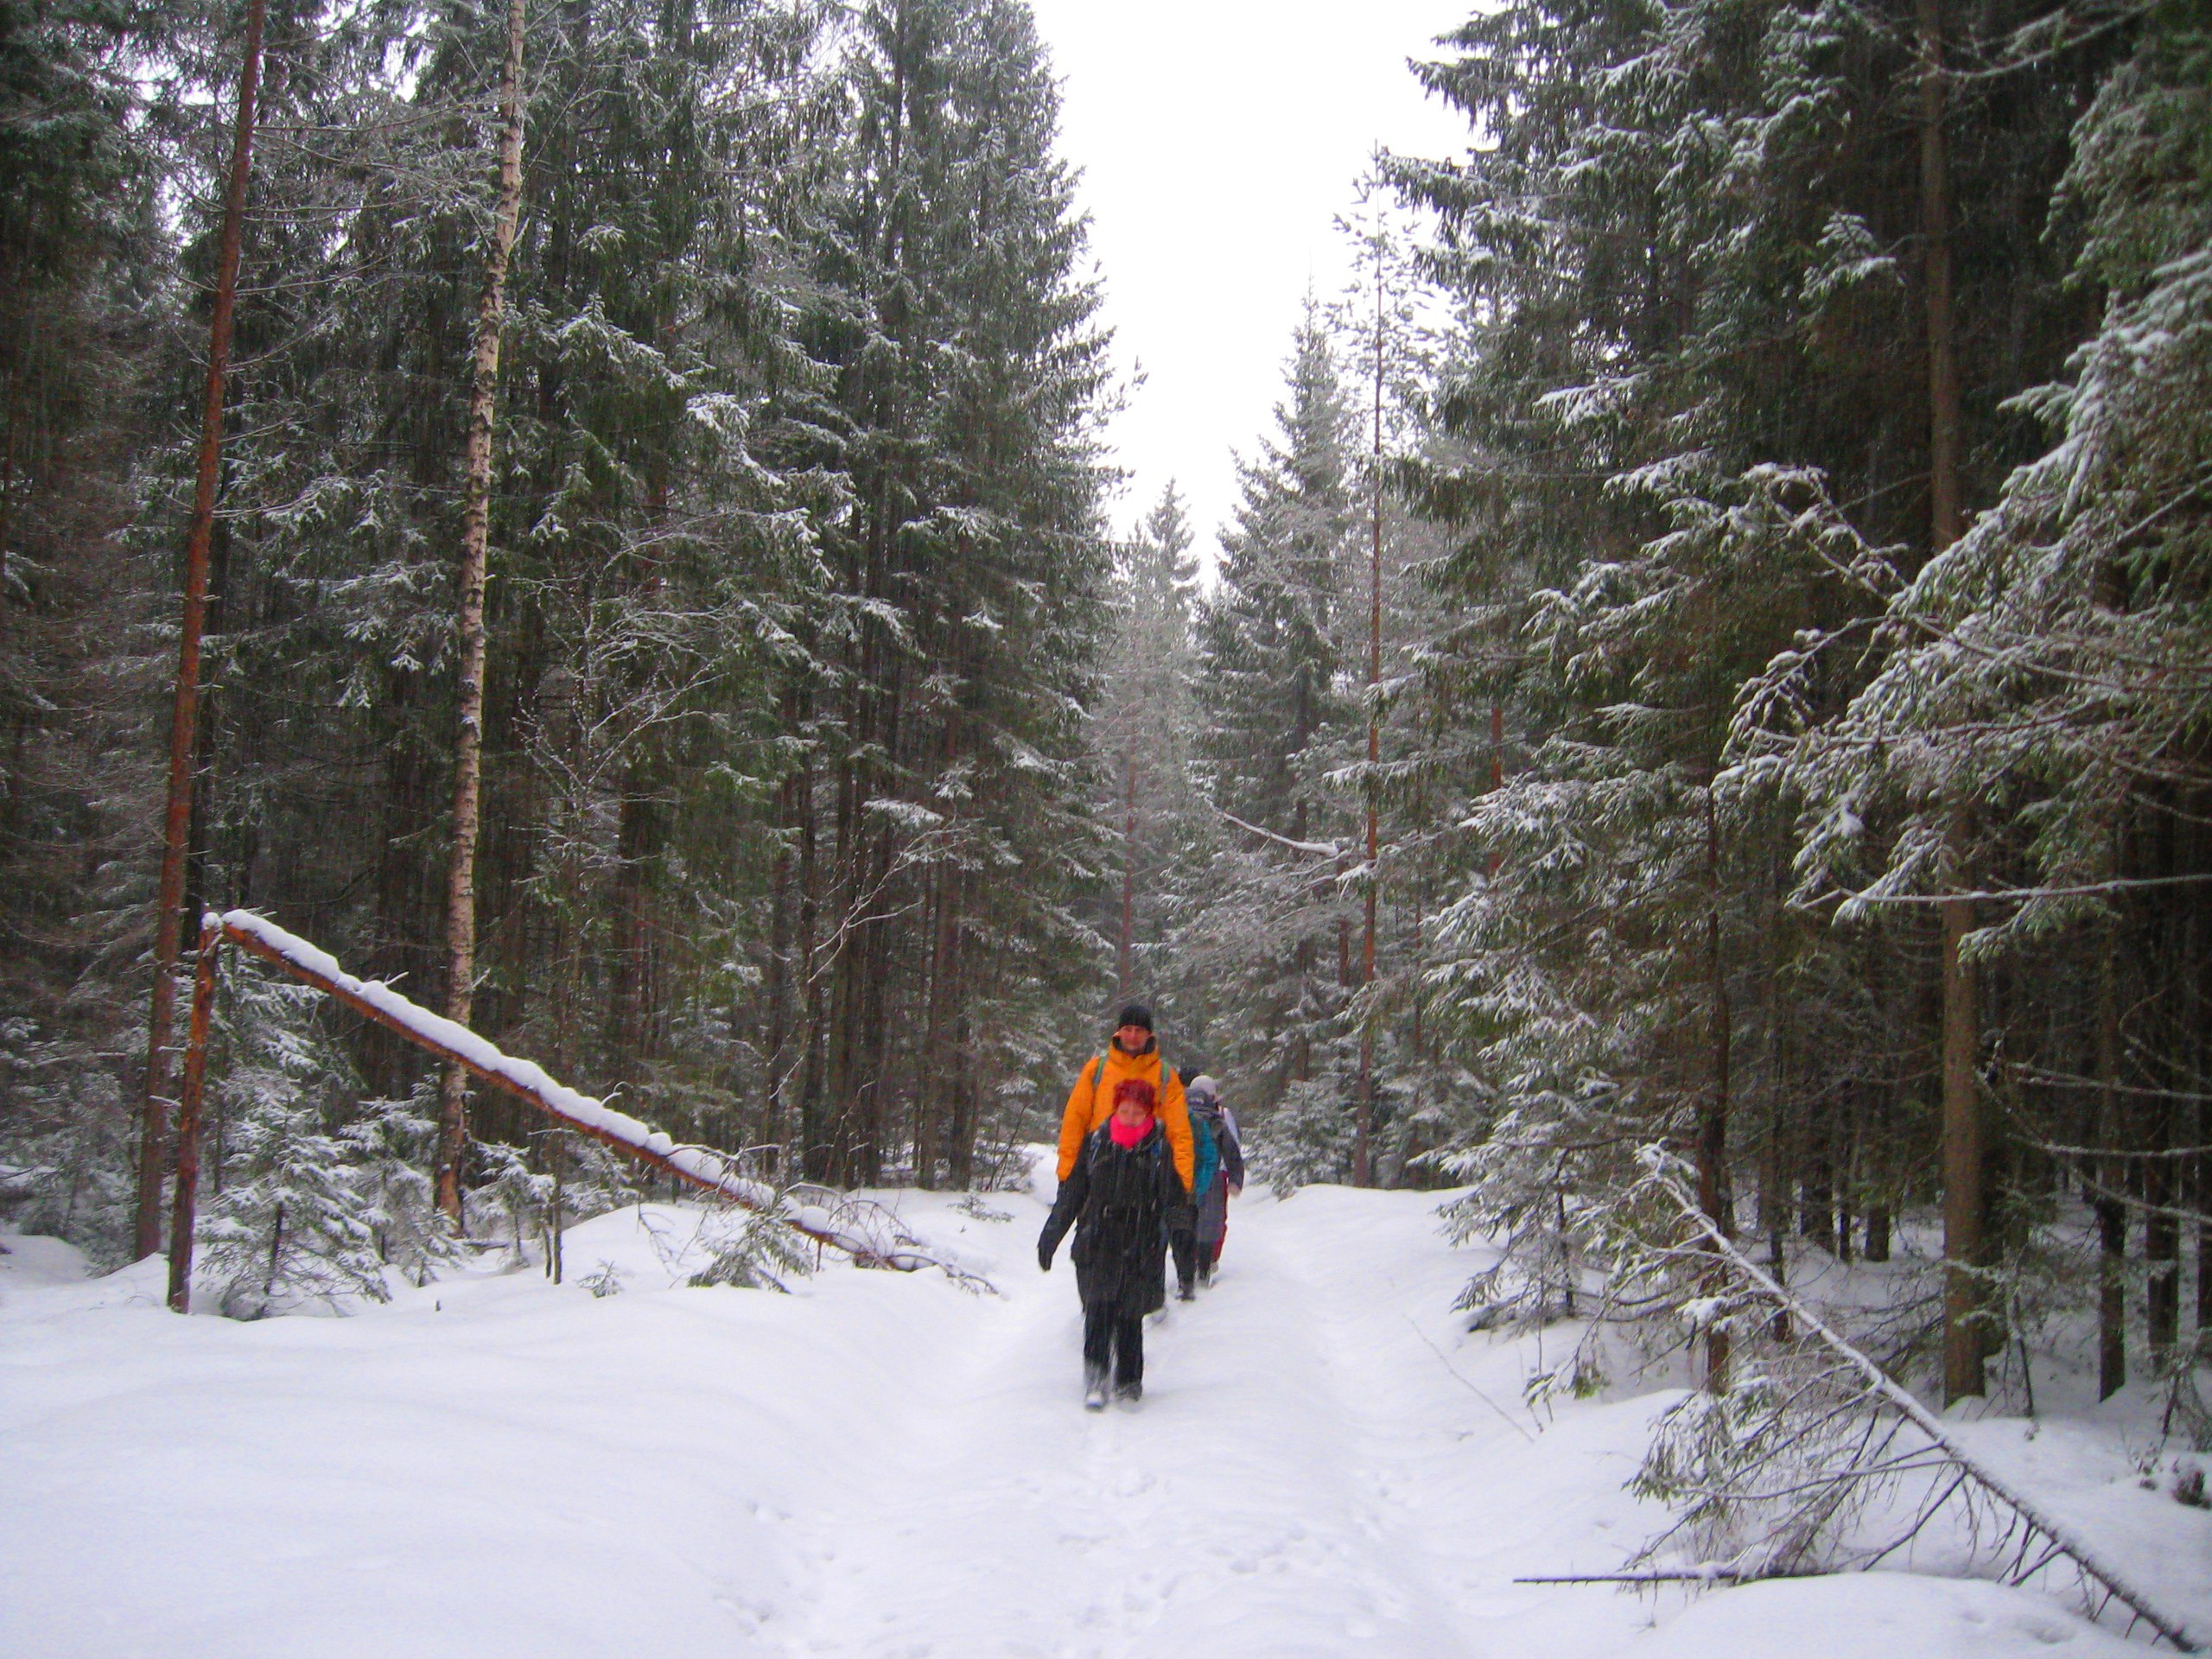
<point>1098,1330</point>
<point>1129,1350</point>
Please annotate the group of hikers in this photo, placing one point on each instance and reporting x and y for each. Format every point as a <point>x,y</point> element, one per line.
<point>1147,1167</point>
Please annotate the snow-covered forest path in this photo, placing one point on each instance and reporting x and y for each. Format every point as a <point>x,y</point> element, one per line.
<point>878,1466</point>
<point>1242,1508</point>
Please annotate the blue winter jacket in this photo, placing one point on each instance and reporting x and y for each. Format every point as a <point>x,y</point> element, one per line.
<point>1206,1156</point>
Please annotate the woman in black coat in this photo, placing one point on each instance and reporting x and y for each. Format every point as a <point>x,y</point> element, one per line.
<point>1123,1197</point>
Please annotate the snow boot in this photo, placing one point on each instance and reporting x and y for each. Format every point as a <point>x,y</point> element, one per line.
<point>1129,1393</point>
<point>1094,1391</point>
<point>1185,1291</point>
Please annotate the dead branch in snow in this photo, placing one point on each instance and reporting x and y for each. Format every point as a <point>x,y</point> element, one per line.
<point>1656,1575</point>
<point>1800,1446</point>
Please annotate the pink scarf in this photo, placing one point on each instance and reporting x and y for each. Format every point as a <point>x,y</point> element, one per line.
<point>1127,1135</point>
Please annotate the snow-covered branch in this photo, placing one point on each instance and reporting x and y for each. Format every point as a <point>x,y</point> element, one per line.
<point>1312,849</point>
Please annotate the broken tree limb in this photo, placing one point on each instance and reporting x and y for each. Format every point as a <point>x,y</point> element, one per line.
<point>699,1165</point>
<point>1901,1400</point>
<point>1654,1575</point>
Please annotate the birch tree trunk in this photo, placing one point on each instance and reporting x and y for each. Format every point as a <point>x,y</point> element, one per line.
<point>476,505</point>
<point>176,822</point>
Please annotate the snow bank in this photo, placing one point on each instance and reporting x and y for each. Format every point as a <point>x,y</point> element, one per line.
<point>31,1262</point>
<point>878,1466</point>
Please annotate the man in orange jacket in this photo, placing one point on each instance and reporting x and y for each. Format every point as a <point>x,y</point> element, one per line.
<point>1132,1053</point>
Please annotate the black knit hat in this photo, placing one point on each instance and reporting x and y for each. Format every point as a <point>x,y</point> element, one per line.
<point>1136,1014</point>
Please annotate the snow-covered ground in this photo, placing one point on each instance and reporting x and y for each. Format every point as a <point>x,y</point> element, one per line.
<point>886,1467</point>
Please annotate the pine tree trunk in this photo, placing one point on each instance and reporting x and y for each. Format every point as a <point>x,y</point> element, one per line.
<point>183,1219</point>
<point>1128,872</point>
<point>176,820</point>
<point>960,1152</point>
<point>809,1114</point>
<point>2192,1054</point>
<point>782,903</point>
<point>2111,1214</point>
<point>2165,1078</point>
<point>638,838</point>
<point>1963,1202</point>
<point>1364,1128</point>
<point>476,517</point>
<point>1964,1337</point>
<point>1713,1194</point>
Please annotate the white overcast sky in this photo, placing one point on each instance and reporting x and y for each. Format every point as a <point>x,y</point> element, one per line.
<point>1218,140</point>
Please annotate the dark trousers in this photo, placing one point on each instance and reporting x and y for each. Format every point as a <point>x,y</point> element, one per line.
<point>1113,1342</point>
<point>1185,1252</point>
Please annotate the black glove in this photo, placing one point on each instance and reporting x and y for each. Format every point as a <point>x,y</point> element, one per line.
<point>1043,1255</point>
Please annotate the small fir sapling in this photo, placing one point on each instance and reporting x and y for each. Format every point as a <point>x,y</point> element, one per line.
<point>595,1178</point>
<point>289,1226</point>
<point>389,1145</point>
<point>752,1249</point>
<point>521,1196</point>
<point>604,1281</point>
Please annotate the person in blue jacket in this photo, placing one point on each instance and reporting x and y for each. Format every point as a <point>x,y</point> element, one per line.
<point>1219,1174</point>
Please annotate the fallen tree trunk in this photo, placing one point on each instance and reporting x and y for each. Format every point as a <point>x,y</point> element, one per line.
<point>2032,1521</point>
<point>872,1241</point>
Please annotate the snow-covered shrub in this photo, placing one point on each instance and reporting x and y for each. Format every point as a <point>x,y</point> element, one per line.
<point>69,1141</point>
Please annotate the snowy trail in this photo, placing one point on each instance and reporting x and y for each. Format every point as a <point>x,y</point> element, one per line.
<point>882,1466</point>
<point>1227,1515</point>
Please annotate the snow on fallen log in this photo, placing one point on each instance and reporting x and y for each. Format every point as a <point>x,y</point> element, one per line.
<point>871,1239</point>
<point>1963,1469</point>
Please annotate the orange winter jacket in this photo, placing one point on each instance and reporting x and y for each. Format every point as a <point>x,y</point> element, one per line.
<point>1091,1102</point>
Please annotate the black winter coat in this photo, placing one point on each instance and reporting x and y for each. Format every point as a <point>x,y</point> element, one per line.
<point>1123,1204</point>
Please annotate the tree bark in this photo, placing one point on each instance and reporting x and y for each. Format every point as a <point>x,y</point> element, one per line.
<point>1713,1194</point>
<point>183,1219</point>
<point>2112,1215</point>
<point>1129,873</point>
<point>1963,1205</point>
<point>1363,1128</point>
<point>2165,1076</point>
<point>476,518</point>
<point>176,820</point>
<point>1964,1337</point>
